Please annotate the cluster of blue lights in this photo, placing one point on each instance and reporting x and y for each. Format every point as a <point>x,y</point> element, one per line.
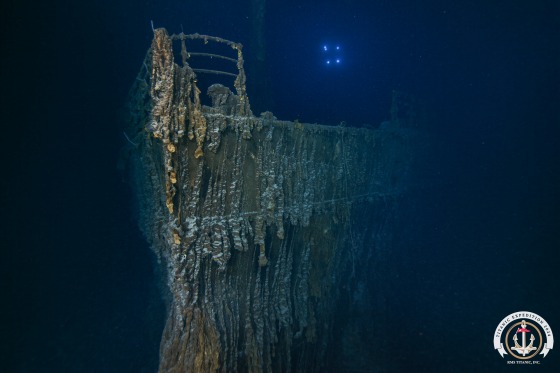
<point>332,55</point>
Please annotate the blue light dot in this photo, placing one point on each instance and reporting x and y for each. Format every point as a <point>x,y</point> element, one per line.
<point>338,60</point>
<point>324,47</point>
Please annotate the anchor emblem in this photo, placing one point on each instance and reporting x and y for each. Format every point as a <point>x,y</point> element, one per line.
<point>523,349</point>
<point>524,335</point>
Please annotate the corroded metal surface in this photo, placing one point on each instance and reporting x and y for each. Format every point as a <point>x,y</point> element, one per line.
<point>262,226</point>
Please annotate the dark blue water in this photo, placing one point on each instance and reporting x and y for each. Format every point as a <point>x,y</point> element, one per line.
<point>479,236</point>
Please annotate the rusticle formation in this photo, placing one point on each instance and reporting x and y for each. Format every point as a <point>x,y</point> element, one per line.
<point>261,226</point>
